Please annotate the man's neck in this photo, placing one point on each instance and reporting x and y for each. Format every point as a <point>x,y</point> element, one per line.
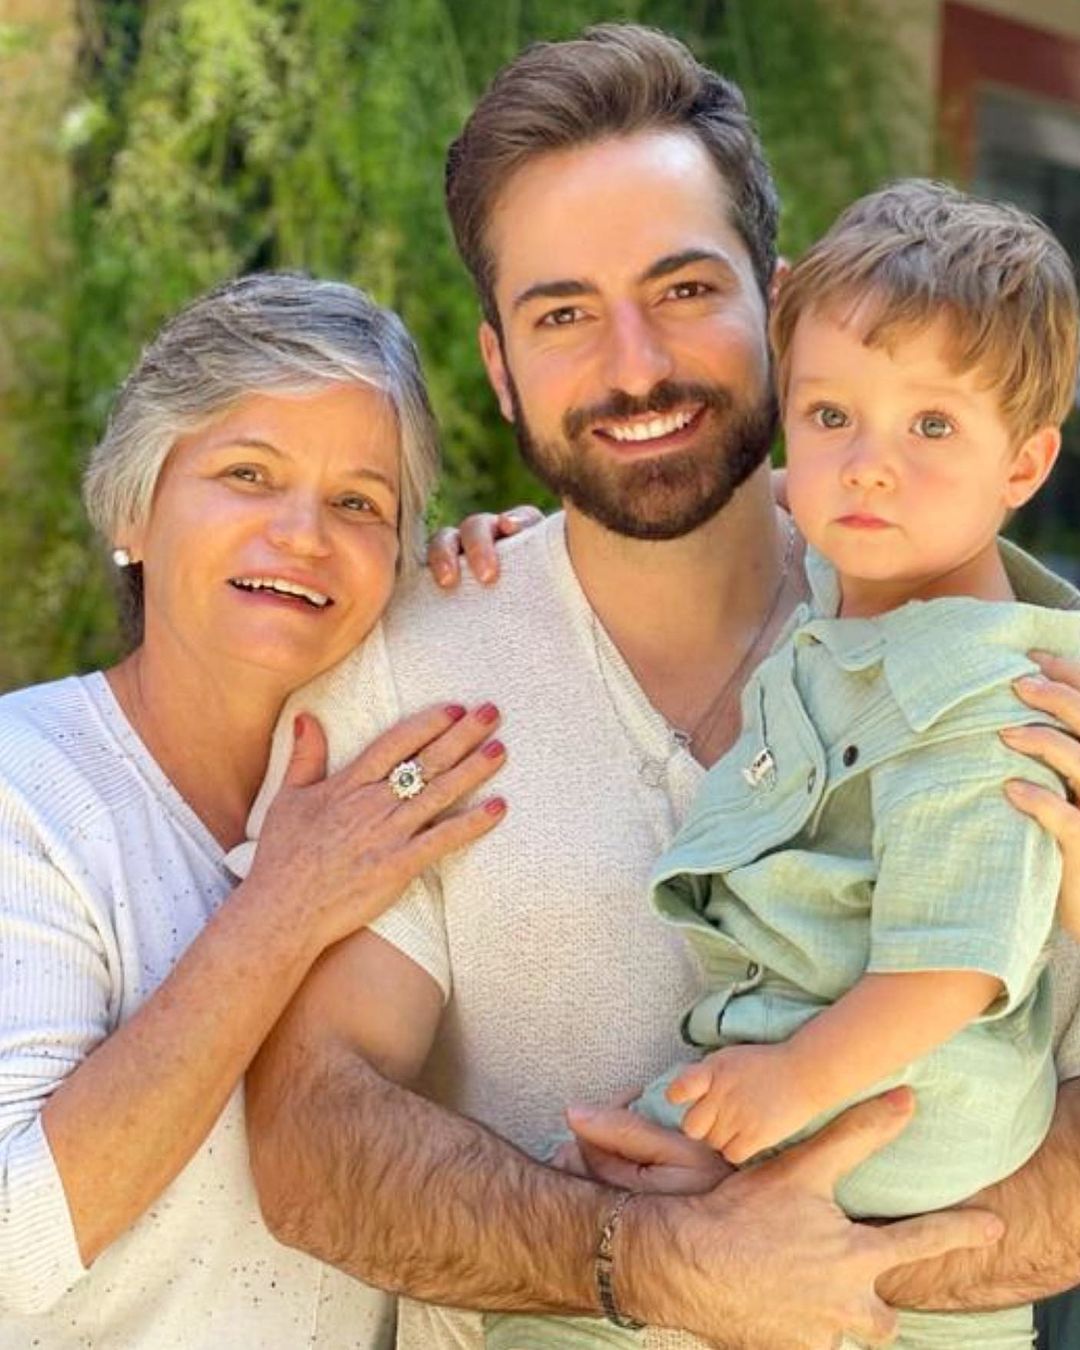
<point>685,612</point>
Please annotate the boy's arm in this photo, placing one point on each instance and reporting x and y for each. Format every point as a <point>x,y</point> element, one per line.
<point>748,1098</point>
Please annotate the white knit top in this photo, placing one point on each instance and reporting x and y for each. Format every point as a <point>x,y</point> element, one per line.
<point>106,876</point>
<point>563,986</point>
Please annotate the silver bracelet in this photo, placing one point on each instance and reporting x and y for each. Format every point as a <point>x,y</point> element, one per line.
<point>604,1267</point>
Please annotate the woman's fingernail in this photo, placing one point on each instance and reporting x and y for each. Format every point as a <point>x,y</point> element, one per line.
<point>1010,733</point>
<point>494,749</point>
<point>298,726</point>
<point>487,713</point>
<point>1017,789</point>
<point>1030,682</point>
<point>454,711</point>
<point>495,807</point>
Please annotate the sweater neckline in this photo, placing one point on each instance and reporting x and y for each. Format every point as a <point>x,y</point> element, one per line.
<point>115,722</point>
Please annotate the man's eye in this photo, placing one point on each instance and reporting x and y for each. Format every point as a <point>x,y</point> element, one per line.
<point>688,290</point>
<point>562,317</point>
<point>933,426</point>
<point>829,418</point>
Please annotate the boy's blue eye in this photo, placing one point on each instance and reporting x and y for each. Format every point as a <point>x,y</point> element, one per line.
<point>829,417</point>
<point>934,426</point>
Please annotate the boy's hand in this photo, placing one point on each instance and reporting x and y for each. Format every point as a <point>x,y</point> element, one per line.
<point>745,1098</point>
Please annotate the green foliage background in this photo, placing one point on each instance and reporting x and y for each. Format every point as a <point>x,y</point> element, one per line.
<point>210,138</point>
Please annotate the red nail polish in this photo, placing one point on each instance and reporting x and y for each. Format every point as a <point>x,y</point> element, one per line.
<point>495,807</point>
<point>494,749</point>
<point>487,712</point>
<point>297,727</point>
<point>454,711</point>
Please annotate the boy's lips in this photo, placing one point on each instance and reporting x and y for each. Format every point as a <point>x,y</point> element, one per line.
<point>863,520</point>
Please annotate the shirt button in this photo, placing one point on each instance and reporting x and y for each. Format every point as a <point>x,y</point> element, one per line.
<point>753,970</point>
<point>850,755</point>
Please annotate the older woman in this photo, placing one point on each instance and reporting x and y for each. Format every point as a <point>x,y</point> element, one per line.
<point>261,482</point>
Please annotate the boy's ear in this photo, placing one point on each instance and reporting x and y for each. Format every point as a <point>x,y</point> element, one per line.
<point>1031,466</point>
<point>780,271</point>
<point>495,365</point>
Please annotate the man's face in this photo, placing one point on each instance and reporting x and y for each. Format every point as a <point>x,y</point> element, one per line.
<point>633,361</point>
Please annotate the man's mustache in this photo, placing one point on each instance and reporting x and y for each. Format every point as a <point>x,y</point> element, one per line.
<point>662,398</point>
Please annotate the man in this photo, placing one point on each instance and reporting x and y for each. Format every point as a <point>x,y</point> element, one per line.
<point>610,198</point>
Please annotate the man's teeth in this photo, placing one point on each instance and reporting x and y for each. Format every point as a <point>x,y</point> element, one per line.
<point>651,430</point>
<point>282,587</point>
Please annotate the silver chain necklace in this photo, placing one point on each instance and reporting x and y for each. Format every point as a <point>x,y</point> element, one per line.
<point>654,771</point>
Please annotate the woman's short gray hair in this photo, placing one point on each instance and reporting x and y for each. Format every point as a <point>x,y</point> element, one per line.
<point>279,332</point>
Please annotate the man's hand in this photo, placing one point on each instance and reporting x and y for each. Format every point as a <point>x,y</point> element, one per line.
<point>767,1259</point>
<point>1058,693</point>
<point>743,1099</point>
<point>623,1148</point>
<point>475,538</point>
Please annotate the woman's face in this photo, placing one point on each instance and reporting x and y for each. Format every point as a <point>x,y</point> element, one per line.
<point>272,539</point>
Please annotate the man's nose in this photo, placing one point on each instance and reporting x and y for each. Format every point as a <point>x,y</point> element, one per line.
<point>636,357</point>
<point>298,526</point>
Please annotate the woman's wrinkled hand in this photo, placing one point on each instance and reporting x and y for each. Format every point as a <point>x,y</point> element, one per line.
<point>475,538</point>
<point>1056,692</point>
<point>337,850</point>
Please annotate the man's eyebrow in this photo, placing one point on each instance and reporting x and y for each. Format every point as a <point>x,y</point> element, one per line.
<point>675,262</point>
<point>562,289</point>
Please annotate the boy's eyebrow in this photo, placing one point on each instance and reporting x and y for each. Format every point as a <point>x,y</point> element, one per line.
<point>928,391</point>
<point>569,288</point>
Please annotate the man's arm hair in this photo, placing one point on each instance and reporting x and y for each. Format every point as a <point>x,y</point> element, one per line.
<point>358,1170</point>
<point>1040,1253</point>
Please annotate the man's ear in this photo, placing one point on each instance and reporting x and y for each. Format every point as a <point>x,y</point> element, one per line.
<point>1031,466</point>
<point>780,271</point>
<point>495,365</point>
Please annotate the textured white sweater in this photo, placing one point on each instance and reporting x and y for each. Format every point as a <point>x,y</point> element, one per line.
<point>106,876</point>
<point>562,985</point>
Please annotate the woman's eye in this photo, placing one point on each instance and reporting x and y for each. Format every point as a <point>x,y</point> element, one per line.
<point>830,418</point>
<point>246,473</point>
<point>358,504</point>
<point>933,426</point>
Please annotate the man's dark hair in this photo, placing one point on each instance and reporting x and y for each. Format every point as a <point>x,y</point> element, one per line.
<point>613,80</point>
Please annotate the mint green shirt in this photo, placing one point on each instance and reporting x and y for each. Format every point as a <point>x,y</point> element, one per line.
<point>859,825</point>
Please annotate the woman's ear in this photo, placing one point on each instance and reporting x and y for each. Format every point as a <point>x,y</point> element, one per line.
<point>1031,466</point>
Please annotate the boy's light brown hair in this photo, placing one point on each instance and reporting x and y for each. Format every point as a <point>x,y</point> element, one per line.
<point>613,80</point>
<point>917,251</point>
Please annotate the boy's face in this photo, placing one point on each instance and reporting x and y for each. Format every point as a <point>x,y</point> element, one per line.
<point>900,470</point>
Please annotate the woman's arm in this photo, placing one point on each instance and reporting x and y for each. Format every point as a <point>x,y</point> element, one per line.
<point>335,853</point>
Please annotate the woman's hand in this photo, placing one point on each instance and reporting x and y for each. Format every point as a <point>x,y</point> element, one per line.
<point>339,850</point>
<point>476,538</point>
<point>1057,693</point>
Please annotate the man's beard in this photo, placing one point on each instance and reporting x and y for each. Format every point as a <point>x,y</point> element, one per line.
<point>652,498</point>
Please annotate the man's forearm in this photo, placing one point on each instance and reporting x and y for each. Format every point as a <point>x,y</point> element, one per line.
<point>379,1182</point>
<point>1040,1253</point>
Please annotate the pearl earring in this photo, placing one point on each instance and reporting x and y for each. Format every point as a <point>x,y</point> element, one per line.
<point>121,557</point>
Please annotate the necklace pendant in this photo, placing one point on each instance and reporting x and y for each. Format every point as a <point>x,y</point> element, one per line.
<point>760,773</point>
